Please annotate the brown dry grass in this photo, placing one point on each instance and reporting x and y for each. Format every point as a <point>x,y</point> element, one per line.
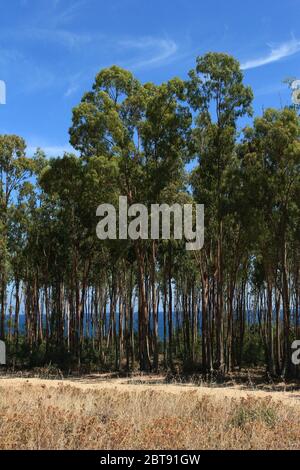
<point>44,416</point>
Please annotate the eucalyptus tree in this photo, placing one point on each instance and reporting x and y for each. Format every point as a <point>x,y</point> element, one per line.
<point>165,136</point>
<point>145,128</point>
<point>79,293</point>
<point>219,98</point>
<point>74,188</point>
<point>15,167</point>
<point>271,165</point>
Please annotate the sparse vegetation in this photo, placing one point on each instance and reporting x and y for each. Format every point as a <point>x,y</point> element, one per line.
<point>66,417</point>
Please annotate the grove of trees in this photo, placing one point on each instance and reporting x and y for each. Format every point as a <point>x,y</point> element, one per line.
<point>70,299</point>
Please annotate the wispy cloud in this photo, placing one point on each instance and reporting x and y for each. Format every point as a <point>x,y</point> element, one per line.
<point>47,36</point>
<point>50,150</point>
<point>152,51</point>
<point>63,37</point>
<point>71,90</point>
<point>30,73</point>
<point>65,15</point>
<point>276,53</point>
<point>142,53</point>
<point>271,89</point>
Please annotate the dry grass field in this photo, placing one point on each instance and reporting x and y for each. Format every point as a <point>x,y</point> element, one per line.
<point>117,414</point>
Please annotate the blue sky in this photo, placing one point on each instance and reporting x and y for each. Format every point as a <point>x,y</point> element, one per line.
<point>50,51</point>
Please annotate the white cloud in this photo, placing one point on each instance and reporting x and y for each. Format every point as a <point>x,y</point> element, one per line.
<point>283,50</point>
<point>152,51</point>
<point>273,89</point>
<point>61,37</point>
<point>71,90</point>
<point>31,75</point>
<point>68,14</point>
<point>50,150</point>
<point>147,52</point>
<point>74,83</point>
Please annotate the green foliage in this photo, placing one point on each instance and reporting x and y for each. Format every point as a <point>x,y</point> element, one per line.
<point>253,353</point>
<point>247,413</point>
<point>222,304</point>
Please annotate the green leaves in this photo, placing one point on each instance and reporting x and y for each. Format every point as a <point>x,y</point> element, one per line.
<point>217,80</point>
<point>99,125</point>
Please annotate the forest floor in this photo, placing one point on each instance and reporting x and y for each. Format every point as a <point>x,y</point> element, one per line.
<point>102,411</point>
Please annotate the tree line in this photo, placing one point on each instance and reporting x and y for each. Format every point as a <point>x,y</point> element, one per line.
<point>69,298</point>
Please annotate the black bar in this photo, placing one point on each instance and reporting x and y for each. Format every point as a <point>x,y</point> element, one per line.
<point>135,459</point>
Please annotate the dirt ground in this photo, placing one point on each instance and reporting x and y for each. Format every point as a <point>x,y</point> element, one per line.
<point>282,392</point>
